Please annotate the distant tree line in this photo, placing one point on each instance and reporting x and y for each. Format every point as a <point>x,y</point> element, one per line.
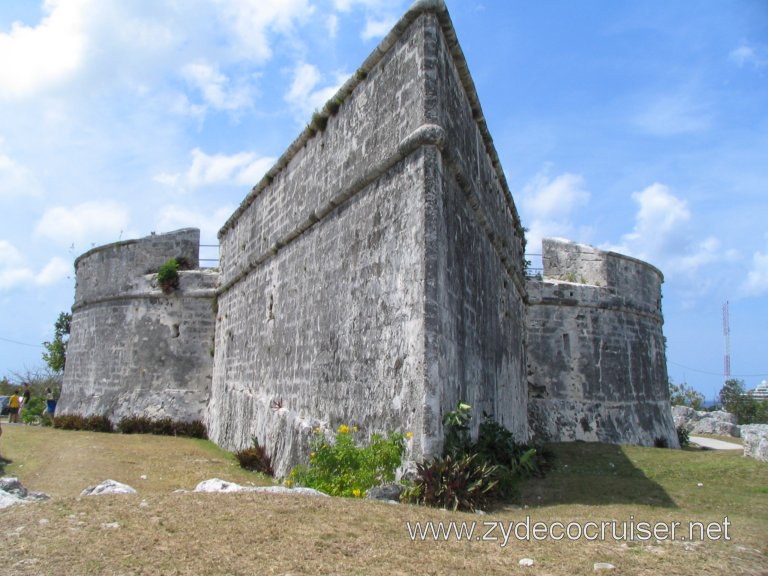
<point>732,398</point>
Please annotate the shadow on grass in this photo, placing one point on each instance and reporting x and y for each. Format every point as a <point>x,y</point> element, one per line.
<point>594,474</point>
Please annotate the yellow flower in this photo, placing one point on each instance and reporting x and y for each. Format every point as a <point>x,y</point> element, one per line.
<point>289,483</point>
<point>343,429</point>
<point>354,428</point>
<point>409,435</point>
<point>356,493</point>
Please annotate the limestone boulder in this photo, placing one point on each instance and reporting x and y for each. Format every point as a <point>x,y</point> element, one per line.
<point>387,492</point>
<point>718,422</point>
<point>108,487</point>
<point>755,437</point>
<point>13,492</point>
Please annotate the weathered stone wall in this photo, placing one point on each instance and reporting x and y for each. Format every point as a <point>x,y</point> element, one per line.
<point>596,352</point>
<point>370,279</point>
<point>475,289</point>
<point>134,350</point>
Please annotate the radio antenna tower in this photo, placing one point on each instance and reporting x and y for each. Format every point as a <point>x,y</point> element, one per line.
<point>727,336</point>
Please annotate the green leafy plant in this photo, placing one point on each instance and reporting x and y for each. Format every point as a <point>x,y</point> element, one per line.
<point>470,475</point>
<point>255,458</point>
<point>55,355</point>
<point>32,413</point>
<point>456,430</point>
<point>168,275</point>
<point>683,437</point>
<point>344,468</point>
<point>463,483</point>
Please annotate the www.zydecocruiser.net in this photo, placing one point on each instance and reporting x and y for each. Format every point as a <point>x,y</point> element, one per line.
<point>527,530</point>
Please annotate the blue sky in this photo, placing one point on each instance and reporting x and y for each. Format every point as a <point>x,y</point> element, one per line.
<point>635,126</point>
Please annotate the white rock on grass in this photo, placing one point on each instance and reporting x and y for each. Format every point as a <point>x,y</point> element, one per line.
<point>108,487</point>
<point>526,562</point>
<point>13,492</point>
<point>7,500</point>
<point>218,485</point>
<point>603,566</point>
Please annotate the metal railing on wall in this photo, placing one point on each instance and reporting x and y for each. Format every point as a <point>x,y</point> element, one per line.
<point>533,271</point>
<point>206,253</point>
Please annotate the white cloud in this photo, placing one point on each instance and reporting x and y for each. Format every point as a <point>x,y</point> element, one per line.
<point>673,115</point>
<point>56,269</point>
<point>84,224</point>
<point>33,58</point>
<point>756,283</point>
<point>304,96</point>
<point>659,222</point>
<point>332,25</point>
<point>663,235</point>
<point>347,5</point>
<point>173,217</point>
<point>548,205</point>
<point>241,169</point>
<point>745,54</point>
<point>252,20</point>
<point>16,179</point>
<point>14,271</point>
<point>216,88</point>
<point>377,28</point>
<point>544,197</point>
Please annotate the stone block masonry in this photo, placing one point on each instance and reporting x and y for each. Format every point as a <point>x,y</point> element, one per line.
<point>374,277</point>
<point>134,350</point>
<point>596,352</point>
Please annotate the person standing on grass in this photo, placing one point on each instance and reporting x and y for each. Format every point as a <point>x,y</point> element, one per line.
<point>14,402</point>
<point>50,402</point>
<point>26,396</point>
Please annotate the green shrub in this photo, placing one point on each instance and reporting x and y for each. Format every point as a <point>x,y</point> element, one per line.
<point>683,437</point>
<point>168,275</point>
<point>69,422</point>
<point>162,427</point>
<point>89,423</point>
<point>472,474</point>
<point>32,412</point>
<point>456,431</point>
<point>192,429</point>
<point>342,468</point>
<point>98,424</point>
<point>135,425</point>
<point>466,483</point>
<point>255,458</point>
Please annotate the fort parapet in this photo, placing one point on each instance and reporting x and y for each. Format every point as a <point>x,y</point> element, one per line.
<point>596,352</point>
<point>133,349</point>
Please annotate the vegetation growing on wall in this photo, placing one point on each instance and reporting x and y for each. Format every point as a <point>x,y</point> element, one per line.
<point>168,274</point>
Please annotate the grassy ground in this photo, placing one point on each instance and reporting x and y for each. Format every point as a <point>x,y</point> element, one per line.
<point>161,532</point>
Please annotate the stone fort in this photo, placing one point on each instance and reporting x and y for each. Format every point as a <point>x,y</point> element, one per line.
<point>375,277</point>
